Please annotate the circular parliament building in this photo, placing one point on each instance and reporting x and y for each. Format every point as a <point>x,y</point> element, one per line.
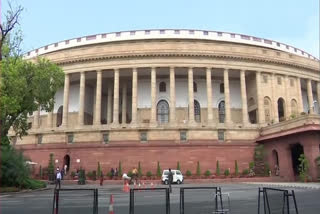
<point>178,95</point>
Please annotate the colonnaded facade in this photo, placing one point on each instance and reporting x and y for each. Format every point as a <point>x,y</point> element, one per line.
<point>178,95</point>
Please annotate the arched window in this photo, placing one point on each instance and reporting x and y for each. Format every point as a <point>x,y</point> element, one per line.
<point>162,87</point>
<point>222,88</point>
<point>59,116</point>
<point>163,111</point>
<point>267,109</point>
<point>281,110</point>
<point>221,112</point>
<point>294,107</point>
<point>195,87</point>
<point>197,111</point>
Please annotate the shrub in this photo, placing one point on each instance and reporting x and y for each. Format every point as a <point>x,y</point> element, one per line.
<point>207,173</point>
<point>94,175</point>
<point>73,174</point>
<point>40,172</point>
<point>158,170</point>
<point>33,184</point>
<point>51,168</point>
<point>129,174</point>
<point>251,165</point>
<point>227,172</point>
<point>109,174</point>
<point>217,168</point>
<point>198,169</point>
<point>149,174</point>
<point>236,168</point>
<point>82,177</point>
<point>303,167</point>
<point>266,169</point>
<point>188,173</point>
<point>99,170</point>
<point>139,170</point>
<point>245,172</point>
<point>90,175</point>
<point>178,165</point>
<point>120,169</point>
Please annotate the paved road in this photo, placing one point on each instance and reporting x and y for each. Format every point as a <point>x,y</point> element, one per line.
<point>243,200</point>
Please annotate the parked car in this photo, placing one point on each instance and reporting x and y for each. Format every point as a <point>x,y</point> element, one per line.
<point>177,176</point>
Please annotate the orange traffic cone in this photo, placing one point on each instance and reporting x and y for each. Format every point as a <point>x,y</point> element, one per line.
<point>126,187</point>
<point>111,205</point>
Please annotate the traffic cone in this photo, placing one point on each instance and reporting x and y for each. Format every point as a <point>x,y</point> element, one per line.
<point>139,187</point>
<point>111,205</point>
<point>127,188</point>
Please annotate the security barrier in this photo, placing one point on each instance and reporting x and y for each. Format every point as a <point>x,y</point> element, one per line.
<point>142,199</point>
<point>204,200</point>
<point>84,199</point>
<point>277,201</point>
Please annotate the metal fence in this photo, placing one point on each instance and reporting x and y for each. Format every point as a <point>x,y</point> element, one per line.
<point>75,200</point>
<point>203,200</point>
<point>276,201</point>
<point>142,201</point>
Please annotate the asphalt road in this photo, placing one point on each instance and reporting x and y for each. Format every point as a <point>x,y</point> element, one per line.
<point>243,199</point>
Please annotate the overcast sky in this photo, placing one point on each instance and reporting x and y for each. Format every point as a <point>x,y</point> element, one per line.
<point>294,22</point>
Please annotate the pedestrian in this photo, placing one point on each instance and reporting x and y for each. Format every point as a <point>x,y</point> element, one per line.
<point>101,179</point>
<point>58,178</point>
<point>65,168</point>
<point>170,179</point>
<point>112,173</point>
<point>135,175</point>
<point>62,173</point>
<point>116,172</point>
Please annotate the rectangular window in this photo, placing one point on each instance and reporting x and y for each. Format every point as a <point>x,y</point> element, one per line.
<point>279,80</point>
<point>132,33</point>
<point>143,137</point>
<point>67,42</point>
<point>105,137</point>
<point>221,135</point>
<point>183,135</point>
<point>39,138</point>
<point>70,138</point>
<point>265,78</point>
<point>29,125</point>
<point>118,34</point>
<point>176,31</point>
<point>205,33</point>
<point>78,39</point>
<point>147,32</point>
<point>233,35</point>
<point>162,31</point>
<point>191,31</point>
<point>219,33</point>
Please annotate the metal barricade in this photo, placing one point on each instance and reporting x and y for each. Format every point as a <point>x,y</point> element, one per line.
<point>276,201</point>
<point>75,194</point>
<point>153,194</point>
<point>215,201</point>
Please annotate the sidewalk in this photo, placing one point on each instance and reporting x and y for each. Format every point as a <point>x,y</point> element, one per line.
<point>287,184</point>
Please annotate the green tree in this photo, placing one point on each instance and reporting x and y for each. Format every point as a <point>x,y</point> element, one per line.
<point>236,168</point>
<point>178,165</point>
<point>303,167</point>
<point>139,169</point>
<point>198,169</point>
<point>218,168</point>
<point>120,169</point>
<point>158,169</point>
<point>51,168</point>
<point>99,170</point>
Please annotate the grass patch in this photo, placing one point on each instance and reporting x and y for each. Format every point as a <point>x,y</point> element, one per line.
<point>9,189</point>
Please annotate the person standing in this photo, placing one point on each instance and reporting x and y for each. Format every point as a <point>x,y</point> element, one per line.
<point>170,178</point>
<point>116,172</point>
<point>65,169</point>
<point>58,178</point>
<point>62,173</point>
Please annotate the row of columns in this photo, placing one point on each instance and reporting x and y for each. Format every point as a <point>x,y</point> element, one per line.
<point>153,117</point>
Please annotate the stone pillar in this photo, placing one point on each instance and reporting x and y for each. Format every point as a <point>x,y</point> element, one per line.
<point>191,96</point>
<point>245,119</point>
<point>97,120</point>
<point>318,97</point>
<point>116,98</point>
<point>65,101</point>
<point>82,98</point>
<point>209,96</point>
<point>134,96</point>
<point>172,97</point>
<point>260,98</point>
<point>36,118</point>
<point>288,99</point>
<point>124,104</point>
<point>153,118</point>
<point>49,119</point>
<point>227,96</point>
<point>274,99</point>
<point>300,101</point>
<point>310,96</point>
<point>109,104</point>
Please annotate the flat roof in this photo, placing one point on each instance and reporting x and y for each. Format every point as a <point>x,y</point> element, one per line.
<point>167,34</point>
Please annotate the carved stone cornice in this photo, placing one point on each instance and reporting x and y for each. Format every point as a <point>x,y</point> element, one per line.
<point>211,56</point>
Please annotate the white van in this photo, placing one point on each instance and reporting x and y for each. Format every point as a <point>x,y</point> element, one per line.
<point>177,176</point>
